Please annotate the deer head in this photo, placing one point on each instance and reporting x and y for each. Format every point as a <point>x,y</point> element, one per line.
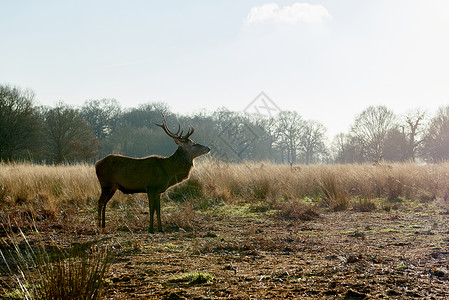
<point>189,147</point>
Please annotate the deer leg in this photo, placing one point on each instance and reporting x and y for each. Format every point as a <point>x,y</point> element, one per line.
<point>101,201</point>
<point>106,195</point>
<point>151,202</point>
<point>158,212</point>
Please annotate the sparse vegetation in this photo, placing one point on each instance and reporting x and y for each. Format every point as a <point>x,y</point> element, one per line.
<point>52,193</point>
<point>296,210</point>
<point>316,229</point>
<point>193,278</point>
<point>52,272</point>
<point>336,186</point>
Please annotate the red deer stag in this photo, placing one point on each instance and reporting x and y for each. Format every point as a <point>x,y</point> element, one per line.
<point>152,175</point>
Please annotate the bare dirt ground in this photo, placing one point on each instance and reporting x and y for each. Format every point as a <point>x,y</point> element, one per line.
<point>233,253</point>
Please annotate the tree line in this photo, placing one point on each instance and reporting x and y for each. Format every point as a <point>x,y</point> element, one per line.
<point>65,134</point>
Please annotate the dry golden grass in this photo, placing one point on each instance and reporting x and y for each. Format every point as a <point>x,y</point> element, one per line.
<point>25,183</point>
<point>31,193</point>
<point>334,185</point>
<point>60,202</point>
<point>51,272</point>
<point>54,192</point>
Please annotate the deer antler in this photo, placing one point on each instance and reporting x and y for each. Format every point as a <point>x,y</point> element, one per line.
<point>178,134</point>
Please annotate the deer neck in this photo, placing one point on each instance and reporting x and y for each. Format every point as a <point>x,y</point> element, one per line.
<point>180,162</point>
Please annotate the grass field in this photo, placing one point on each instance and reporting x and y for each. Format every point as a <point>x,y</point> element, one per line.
<point>237,231</point>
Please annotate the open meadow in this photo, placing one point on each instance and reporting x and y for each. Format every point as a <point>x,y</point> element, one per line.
<point>232,231</point>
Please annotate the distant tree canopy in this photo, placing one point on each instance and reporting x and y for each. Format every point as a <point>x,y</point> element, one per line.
<point>68,137</point>
<point>20,124</point>
<point>64,134</point>
<point>436,141</point>
<point>370,131</point>
<point>102,115</point>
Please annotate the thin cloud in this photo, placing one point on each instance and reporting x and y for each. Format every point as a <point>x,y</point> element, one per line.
<point>294,14</point>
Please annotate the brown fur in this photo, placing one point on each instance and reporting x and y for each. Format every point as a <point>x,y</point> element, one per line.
<point>152,175</point>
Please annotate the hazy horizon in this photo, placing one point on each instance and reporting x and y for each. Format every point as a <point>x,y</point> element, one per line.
<point>327,60</point>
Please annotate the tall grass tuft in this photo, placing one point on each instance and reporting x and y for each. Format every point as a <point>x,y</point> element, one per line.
<point>335,185</point>
<point>44,272</point>
<point>56,194</point>
<point>334,193</point>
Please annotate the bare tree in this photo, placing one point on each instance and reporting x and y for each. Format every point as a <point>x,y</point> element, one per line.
<point>436,144</point>
<point>69,137</point>
<point>236,136</point>
<point>102,115</point>
<point>264,146</point>
<point>146,114</point>
<point>345,149</point>
<point>137,142</point>
<point>339,148</point>
<point>413,130</point>
<point>313,142</point>
<point>289,130</point>
<point>370,131</point>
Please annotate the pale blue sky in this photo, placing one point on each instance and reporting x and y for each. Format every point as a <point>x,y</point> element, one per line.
<point>328,60</point>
